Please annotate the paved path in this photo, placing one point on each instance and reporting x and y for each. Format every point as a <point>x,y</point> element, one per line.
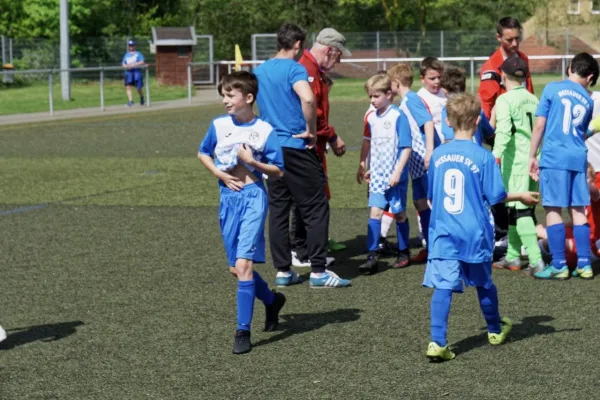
<point>202,97</point>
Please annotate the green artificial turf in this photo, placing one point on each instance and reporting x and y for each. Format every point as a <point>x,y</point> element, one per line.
<point>113,285</point>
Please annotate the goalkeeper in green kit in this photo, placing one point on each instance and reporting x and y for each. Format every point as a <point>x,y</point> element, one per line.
<point>515,114</point>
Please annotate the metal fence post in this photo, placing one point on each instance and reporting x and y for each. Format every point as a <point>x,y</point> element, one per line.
<point>441,43</point>
<point>472,75</point>
<point>384,65</point>
<point>101,89</point>
<point>10,51</point>
<point>229,68</point>
<point>189,81</point>
<point>3,50</point>
<point>563,67</point>
<point>253,45</point>
<point>148,86</point>
<point>50,93</point>
<point>217,65</point>
<point>377,49</point>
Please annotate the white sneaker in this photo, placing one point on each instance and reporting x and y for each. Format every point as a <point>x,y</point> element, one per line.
<point>502,242</point>
<point>2,334</point>
<point>523,251</point>
<point>306,264</point>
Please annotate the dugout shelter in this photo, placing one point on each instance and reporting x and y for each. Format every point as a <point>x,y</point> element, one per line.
<point>174,47</point>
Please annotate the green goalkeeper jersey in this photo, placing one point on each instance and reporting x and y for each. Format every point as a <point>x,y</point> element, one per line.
<point>515,114</point>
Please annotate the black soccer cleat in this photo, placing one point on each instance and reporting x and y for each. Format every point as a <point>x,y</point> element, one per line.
<point>272,312</point>
<point>242,343</point>
<point>384,248</point>
<point>371,266</point>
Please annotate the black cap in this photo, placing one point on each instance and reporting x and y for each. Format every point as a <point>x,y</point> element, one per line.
<point>515,66</point>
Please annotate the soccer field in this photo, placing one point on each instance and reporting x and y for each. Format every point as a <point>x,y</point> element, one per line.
<point>113,285</point>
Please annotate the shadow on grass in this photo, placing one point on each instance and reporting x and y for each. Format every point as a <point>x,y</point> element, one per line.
<point>44,333</point>
<point>528,327</point>
<point>295,324</point>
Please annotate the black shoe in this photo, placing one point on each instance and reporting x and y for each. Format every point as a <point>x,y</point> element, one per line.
<point>242,343</point>
<point>273,312</point>
<point>402,261</point>
<point>384,248</point>
<point>370,267</point>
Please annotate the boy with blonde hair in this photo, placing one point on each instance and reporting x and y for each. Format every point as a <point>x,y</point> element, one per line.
<point>463,181</point>
<point>421,126</point>
<point>387,144</point>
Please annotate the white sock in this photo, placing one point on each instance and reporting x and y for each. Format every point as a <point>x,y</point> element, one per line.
<point>386,223</point>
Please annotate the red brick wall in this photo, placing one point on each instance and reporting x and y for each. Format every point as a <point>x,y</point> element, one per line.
<point>171,69</point>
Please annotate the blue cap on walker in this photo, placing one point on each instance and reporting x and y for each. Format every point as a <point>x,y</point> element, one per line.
<point>131,43</point>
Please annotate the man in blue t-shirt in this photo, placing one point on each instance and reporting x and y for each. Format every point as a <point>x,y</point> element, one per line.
<point>562,119</point>
<point>286,101</point>
<point>463,182</point>
<point>133,74</point>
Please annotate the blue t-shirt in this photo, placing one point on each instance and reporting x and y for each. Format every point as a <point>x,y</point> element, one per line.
<point>418,115</point>
<point>277,102</point>
<point>389,133</point>
<point>484,129</point>
<point>225,135</point>
<point>463,181</point>
<point>568,108</point>
<point>132,58</point>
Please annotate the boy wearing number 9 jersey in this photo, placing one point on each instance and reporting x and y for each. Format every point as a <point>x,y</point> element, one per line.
<point>515,111</point>
<point>464,181</point>
<point>562,119</point>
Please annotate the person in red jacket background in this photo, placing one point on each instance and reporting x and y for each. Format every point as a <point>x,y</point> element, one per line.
<point>324,54</point>
<point>490,87</point>
<point>508,33</point>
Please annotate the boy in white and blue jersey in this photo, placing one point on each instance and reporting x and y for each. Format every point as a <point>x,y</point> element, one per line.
<point>562,119</point>
<point>453,82</point>
<point>421,126</point>
<point>238,149</point>
<point>133,75</point>
<point>464,181</point>
<point>387,144</point>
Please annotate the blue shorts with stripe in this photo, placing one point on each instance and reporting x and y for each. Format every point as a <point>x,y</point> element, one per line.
<point>394,197</point>
<point>242,216</point>
<point>451,274</point>
<point>419,188</point>
<point>564,188</point>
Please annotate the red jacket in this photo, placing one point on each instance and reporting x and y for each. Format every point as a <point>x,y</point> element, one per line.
<point>320,88</point>
<point>490,86</point>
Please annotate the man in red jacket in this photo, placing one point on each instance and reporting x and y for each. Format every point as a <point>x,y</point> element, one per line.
<point>490,87</point>
<point>508,33</point>
<point>325,53</point>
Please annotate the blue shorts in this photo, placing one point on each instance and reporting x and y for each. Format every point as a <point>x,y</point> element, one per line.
<point>133,79</point>
<point>394,197</point>
<point>419,188</point>
<point>563,188</point>
<point>242,216</point>
<point>450,274</point>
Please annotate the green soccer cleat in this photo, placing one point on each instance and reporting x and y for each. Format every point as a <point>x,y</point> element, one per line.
<point>552,273</point>
<point>498,338</point>
<point>437,353</point>
<point>332,246</point>
<point>583,273</point>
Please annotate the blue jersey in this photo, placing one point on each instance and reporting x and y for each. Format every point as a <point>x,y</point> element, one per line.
<point>131,58</point>
<point>484,129</point>
<point>277,102</point>
<point>418,115</point>
<point>225,135</point>
<point>568,109</point>
<point>464,181</point>
<point>389,133</point>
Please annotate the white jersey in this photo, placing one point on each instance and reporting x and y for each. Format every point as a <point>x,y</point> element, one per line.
<point>593,143</point>
<point>435,103</point>
<point>388,133</point>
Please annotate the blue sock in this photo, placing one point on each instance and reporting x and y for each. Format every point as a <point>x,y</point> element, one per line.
<point>488,301</point>
<point>402,231</point>
<point>263,293</point>
<point>373,234</point>
<point>425,216</point>
<point>556,243</point>
<point>581,233</point>
<point>440,310</point>
<point>245,304</point>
